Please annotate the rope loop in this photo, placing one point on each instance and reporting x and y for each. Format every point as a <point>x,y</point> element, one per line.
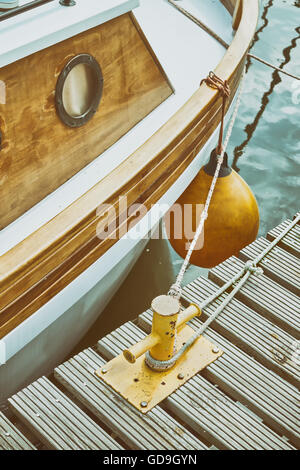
<point>251,266</point>
<point>213,81</point>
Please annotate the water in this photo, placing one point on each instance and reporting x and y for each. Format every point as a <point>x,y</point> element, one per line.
<point>265,149</point>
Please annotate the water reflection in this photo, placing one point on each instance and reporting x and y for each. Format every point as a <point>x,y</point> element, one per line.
<point>276,79</point>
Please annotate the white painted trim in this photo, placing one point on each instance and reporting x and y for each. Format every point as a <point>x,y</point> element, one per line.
<point>34,30</point>
<point>2,352</point>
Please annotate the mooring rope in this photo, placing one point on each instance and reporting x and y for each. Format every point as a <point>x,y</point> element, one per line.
<point>273,66</point>
<point>250,267</point>
<point>215,82</point>
<point>242,276</point>
<point>225,44</point>
<point>176,288</point>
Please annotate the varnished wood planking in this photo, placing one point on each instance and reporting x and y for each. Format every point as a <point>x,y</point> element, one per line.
<point>237,14</point>
<point>229,5</point>
<point>28,269</point>
<point>39,152</point>
<point>34,297</point>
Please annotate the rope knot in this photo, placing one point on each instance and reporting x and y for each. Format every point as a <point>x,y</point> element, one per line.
<point>217,84</point>
<point>175,291</point>
<point>251,266</point>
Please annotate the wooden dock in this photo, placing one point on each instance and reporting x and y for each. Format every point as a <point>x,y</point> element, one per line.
<point>247,399</point>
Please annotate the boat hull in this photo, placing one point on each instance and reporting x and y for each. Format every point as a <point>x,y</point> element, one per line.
<point>53,344</point>
<point>45,339</point>
<point>55,282</point>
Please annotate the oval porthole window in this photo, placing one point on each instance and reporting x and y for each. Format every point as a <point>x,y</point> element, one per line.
<point>79,90</point>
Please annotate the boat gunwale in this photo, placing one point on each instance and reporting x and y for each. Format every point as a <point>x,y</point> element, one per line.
<point>77,222</point>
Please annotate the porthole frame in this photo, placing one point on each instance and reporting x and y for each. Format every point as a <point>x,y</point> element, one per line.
<point>66,118</point>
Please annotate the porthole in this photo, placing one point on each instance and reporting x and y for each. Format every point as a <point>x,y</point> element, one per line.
<point>79,90</point>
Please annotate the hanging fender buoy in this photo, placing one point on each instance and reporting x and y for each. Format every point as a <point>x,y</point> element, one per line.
<point>233,216</point>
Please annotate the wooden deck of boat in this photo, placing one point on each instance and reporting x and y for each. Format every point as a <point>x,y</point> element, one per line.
<point>247,399</point>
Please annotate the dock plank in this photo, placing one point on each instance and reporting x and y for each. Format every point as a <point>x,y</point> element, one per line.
<point>291,241</point>
<point>264,295</point>
<point>253,333</point>
<point>156,430</point>
<point>279,265</point>
<point>11,438</point>
<point>202,406</point>
<point>265,393</point>
<point>57,421</point>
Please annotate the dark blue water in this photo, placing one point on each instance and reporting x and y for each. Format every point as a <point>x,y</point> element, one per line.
<point>264,148</point>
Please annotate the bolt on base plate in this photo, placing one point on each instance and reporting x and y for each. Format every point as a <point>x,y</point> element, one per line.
<point>145,388</point>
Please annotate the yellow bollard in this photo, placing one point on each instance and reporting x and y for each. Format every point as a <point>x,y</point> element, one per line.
<point>132,354</point>
<point>165,313</point>
<point>167,322</point>
<point>151,370</point>
<point>192,311</point>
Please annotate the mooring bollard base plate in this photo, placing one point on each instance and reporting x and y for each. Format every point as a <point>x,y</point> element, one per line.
<point>143,387</point>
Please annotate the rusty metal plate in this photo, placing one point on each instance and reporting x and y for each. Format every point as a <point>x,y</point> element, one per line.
<point>145,388</point>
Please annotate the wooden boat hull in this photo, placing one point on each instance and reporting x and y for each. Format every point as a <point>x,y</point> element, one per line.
<point>41,276</point>
<point>62,322</point>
